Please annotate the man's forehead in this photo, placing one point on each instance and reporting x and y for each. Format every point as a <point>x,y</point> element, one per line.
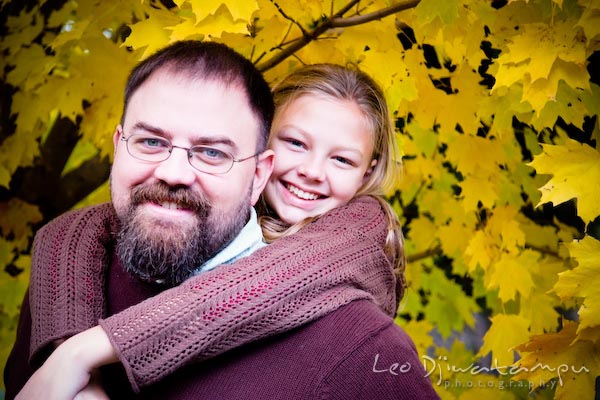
<point>211,91</point>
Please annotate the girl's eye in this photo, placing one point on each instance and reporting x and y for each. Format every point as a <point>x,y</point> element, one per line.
<point>294,142</point>
<point>345,161</point>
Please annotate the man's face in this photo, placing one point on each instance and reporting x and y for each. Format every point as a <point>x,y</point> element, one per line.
<point>173,216</point>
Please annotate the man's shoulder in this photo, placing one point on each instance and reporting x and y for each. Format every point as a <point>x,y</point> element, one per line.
<point>103,211</point>
<point>361,324</point>
<point>375,357</point>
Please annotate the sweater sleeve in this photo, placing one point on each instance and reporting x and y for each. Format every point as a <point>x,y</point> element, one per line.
<point>334,260</point>
<point>67,275</point>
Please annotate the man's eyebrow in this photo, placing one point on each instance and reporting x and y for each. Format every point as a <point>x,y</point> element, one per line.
<point>197,140</point>
<point>214,140</point>
<point>142,126</point>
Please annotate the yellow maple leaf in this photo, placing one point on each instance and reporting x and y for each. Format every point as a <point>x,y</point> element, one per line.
<point>570,105</point>
<point>503,107</point>
<point>211,24</point>
<point>305,12</point>
<point>242,9</point>
<point>541,44</point>
<point>590,22</point>
<point>422,231</point>
<point>542,91</point>
<point>19,150</point>
<point>480,251</point>
<point>502,225</point>
<point>150,34</point>
<point>478,188</point>
<point>33,67</point>
<point>200,8</point>
<point>322,51</point>
<point>573,166</point>
<point>475,155</point>
<point>100,195</point>
<point>512,275</point>
<point>22,31</point>
<point>20,228</point>
<point>454,238</point>
<point>387,68</point>
<point>448,307</point>
<point>419,332</point>
<point>584,280</point>
<point>539,308</point>
<point>5,176</point>
<point>574,364</point>
<point>428,10</point>
<point>74,32</point>
<point>269,32</point>
<point>501,344</point>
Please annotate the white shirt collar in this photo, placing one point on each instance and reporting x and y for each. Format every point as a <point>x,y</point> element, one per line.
<point>245,243</point>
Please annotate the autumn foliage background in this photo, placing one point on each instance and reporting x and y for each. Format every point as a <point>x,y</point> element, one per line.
<point>496,106</point>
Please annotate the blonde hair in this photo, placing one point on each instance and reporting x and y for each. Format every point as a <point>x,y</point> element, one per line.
<point>347,84</point>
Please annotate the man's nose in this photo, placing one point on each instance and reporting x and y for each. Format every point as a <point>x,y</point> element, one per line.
<point>176,170</point>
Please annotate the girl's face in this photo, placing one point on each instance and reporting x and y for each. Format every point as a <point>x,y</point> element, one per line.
<point>323,154</point>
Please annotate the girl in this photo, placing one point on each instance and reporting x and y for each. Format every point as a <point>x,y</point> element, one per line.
<point>334,144</point>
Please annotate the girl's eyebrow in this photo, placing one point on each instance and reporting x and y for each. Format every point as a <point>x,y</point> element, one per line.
<point>198,140</point>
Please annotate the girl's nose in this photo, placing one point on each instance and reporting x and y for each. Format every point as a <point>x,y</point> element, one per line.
<point>312,168</point>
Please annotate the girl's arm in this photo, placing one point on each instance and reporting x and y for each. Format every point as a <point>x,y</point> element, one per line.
<point>68,267</point>
<point>332,261</point>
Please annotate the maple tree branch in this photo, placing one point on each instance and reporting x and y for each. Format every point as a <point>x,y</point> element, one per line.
<point>384,12</point>
<point>436,251</point>
<point>334,21</point>
<point>544,250</point>
<point>285,16</point>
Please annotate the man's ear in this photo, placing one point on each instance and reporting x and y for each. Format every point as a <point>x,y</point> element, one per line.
<point>117,138</point>
<point>264,168</point>
<point>369,171</point>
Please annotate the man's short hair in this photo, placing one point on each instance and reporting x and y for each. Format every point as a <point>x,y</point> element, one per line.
<point>210,61</point>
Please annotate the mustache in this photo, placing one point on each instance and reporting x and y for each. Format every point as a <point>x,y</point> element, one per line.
<point>160,192</point>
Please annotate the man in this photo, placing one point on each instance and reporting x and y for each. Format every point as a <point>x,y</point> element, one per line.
<point>189,164</point>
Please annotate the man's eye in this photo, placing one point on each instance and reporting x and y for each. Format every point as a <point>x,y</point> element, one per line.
<point>154,142</point>
<point>150,144</point>
<point>210,155</point>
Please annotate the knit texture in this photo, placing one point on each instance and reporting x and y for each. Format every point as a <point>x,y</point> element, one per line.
<point>67,277</point>
<point>332,261</point>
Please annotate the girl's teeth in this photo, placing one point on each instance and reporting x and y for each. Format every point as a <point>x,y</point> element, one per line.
<point>301,193</point>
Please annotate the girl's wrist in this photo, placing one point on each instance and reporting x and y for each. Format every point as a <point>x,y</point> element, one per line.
<point>89,349</point>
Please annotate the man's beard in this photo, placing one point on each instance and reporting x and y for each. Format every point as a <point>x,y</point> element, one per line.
<point>169,252</point>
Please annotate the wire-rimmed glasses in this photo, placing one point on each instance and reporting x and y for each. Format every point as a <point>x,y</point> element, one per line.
<point>157,149</point>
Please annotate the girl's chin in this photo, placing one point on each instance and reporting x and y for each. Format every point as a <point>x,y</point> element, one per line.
<point>293,216</point>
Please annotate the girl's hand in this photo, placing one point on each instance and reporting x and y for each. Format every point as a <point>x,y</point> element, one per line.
<point>69,368</point>
<point>94,389</point>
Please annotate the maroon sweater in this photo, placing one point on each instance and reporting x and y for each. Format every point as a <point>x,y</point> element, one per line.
<point>346,354</point>
<point>329,263</point>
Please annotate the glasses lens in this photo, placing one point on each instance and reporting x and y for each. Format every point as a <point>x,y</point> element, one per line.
<point>148,148</point>
<point>209,159</point>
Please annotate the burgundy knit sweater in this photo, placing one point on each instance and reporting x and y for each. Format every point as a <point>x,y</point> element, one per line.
<point>299,278</point>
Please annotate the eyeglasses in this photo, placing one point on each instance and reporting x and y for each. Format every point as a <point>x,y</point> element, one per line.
<point>158,149</point>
